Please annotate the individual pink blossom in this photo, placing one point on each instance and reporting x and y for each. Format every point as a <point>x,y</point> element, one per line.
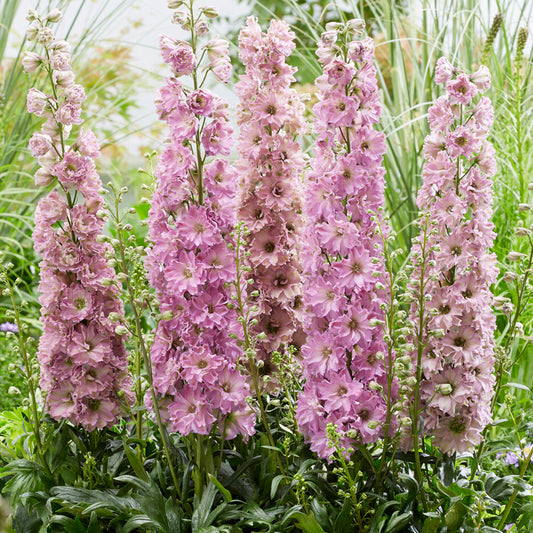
<point>178,54</point>
<point>83,361</point>
<point>194,356</point>
<point>342,260</point>
<point>270,116</point>
<point>455,367</point>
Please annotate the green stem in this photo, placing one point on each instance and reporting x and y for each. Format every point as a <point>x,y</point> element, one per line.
<point>35,424</point>
<point>420,348</point>
<point>512,499</point>
<point>141,347</point>
<point>248,346</point>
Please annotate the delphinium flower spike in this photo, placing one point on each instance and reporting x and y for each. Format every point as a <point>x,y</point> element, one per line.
<point>343,356</point>
<point>83,359</point>
<point>195,359</point>
<point>270,116</point>
<point>454,349</point>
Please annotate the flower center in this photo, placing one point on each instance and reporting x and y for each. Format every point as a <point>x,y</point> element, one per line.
<point>457,424</point>
<point>353,324</point>
<point>460,342</point>
<point>364,414</point>
<point>269,247</point>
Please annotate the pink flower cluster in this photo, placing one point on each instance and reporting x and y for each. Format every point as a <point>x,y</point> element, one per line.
<point>457,360</point>
<point>343,354</point>
<point>83,361</point>
<point>195,360</point>
<point>270,115</point>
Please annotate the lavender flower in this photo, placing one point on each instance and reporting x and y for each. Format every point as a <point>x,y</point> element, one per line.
<point>9,327</point>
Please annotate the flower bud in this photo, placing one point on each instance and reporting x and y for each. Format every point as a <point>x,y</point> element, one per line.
<point>515,256</point>
<point>121,330</point>
<point>356,26</point>
<point>32,15</point>
<point>167,315</point>
<point>445,389</point>
<point>375,386</point>
<point>209,12</point>
<point>54,15</point>
<point>509,276</point>
<point>31,62</point>
<point>32,31</point>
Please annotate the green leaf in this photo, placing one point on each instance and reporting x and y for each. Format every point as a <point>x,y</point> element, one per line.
<point>526,518</point>
<point>226,494</point>
<point>501,488</point>
<point>307,523</point>
<point>431,525</point>
<point>275,484</point>
<point>455,516</point>
<point>518,386</point>
<point>397,522</point>
<point>376,526</point>
<point>343,522</point>
<point>412,487</point>
<point>138,521</point>
<point>135,461</point>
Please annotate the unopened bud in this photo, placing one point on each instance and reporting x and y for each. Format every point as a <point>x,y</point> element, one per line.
<point>375,386</point>
<point>515,256</point>
<point>356,26</point>
<point>31,62</point>
<point>167,315</point>
<point>509,276</point>
<point>209,12</point>
<point>32,31</point>
<point>121,330</point>
<point>54,15</point>
<point>32,15</point>
<point>445,389</point>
